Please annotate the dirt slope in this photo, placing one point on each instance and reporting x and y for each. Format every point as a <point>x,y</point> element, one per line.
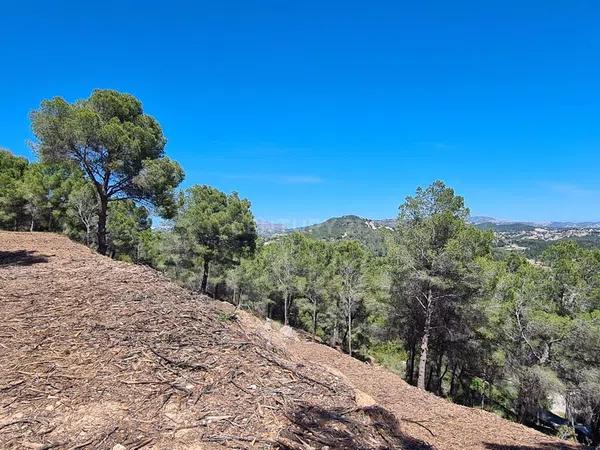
<point>433,420</point>
<point>100,354</point>
<point>426,416</point>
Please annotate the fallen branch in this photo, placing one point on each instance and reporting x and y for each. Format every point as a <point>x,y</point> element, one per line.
<point>230,437</point>
<point>12,385</point>
<point>15,422</point>
<point>78,446</point>
<point>416,422</point>
<point>293,370</point>
<point>181,364</point>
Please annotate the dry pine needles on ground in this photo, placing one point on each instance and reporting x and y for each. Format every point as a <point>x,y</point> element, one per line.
<point>101,354</point>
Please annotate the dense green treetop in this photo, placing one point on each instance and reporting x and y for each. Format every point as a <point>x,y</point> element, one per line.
<point>215,227</point>
<point>117,145</point>
<point>12,170</point>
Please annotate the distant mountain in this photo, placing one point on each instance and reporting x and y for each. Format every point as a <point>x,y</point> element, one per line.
<point>476,220</point>
<point>386,223</point>
<point>506,227</point>
<point>572,225</point>
<point>533,238</point>
<point>268,229</point>
<point>370,232</point>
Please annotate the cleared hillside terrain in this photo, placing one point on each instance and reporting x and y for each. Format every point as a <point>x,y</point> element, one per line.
<point>97,353</point>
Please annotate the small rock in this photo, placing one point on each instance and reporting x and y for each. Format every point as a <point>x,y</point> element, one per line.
<point>119,447</point>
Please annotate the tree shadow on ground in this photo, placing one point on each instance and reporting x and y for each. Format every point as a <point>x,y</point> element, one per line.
<point>540,446</point>
<point>357,428</point>
<point>21,258</point>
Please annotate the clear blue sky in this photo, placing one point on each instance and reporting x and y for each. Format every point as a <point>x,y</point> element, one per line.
<point>314,109</point>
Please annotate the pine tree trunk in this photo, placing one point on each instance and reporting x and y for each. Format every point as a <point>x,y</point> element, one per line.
<point>285,309</point>
<point>314,318</point>
<point>334,334</point>
<point>410,364</point>
<point>349,329</point>
<point>453,383</point>
<point>429,378</point>
<point>425,343</point>
<point>102,213</point>
<point>350,336</point>
<point>205,276</point>
<point>438,373</point>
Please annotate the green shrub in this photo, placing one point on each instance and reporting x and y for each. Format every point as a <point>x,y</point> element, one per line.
<point>390,355</point>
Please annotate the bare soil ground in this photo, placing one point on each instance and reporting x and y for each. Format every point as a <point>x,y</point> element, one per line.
<point>96,353</point>
<point>434,420</point>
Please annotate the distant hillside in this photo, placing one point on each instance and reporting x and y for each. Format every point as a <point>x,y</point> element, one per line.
<point>533,248</point>
<point>489,223</point>
<point>370,232</point>
<point>573,225</point>
<point>507,227</point>
<point>269,229</point>
<point>476,220</point>
<point>532,237</point>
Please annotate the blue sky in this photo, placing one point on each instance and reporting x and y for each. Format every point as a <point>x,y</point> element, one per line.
<point>314,109</point>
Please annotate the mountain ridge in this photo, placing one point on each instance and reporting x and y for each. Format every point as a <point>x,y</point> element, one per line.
<point>269,229</point>
<point>528,237</point>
